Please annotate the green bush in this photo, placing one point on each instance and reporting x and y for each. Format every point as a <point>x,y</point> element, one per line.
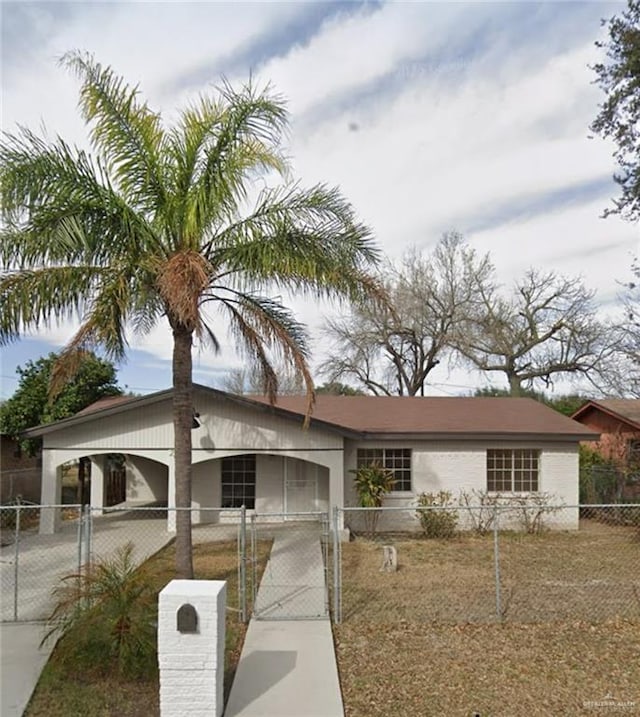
<point>106,618</point>
<point>372,483</point>
<point>436,516</point>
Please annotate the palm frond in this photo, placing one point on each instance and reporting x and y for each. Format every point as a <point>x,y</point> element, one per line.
<point>308,241</point>
<point>59,206</point>
<point>264,327</point>
<point>217,146</point>
<point>126,132</point>
<point>34,298</point>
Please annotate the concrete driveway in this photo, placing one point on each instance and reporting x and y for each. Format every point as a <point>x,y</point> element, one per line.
<point>43,559</point>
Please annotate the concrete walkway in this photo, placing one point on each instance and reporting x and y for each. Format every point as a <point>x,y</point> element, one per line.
<point>288,664</point>
<point>21,662</point>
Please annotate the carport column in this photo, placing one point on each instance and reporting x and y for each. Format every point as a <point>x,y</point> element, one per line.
<point>97,483</point>
<point>171,496</point>
<point>51,493</point>
<point>191,636</point>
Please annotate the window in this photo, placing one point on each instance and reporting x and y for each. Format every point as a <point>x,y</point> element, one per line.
<point>397,460</point>
<point>239,482</point>
<point>512,471</point>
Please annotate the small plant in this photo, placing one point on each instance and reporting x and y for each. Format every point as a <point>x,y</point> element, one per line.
<point>532,510</point>
<point>437,517</point>
<point>106,617</point>
<point>372,483</point>
<point>481,508</point>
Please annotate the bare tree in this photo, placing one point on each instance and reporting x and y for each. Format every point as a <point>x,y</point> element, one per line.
<point>622,377</point>
<point>547,327</point>
<point>243,382</point>
<point>392,351</point>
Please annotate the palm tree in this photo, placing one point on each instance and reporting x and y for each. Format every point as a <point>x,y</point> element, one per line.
<point>157,222</point>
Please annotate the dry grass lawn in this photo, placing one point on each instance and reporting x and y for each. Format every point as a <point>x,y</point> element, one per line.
<point>590,574</point>
<point>62,693</point>
<point>417,670</point>
<point>425,640</point>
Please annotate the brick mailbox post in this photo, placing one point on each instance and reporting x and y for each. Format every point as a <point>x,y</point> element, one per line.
<point>191,633</point>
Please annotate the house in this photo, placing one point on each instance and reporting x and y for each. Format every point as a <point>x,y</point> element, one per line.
<point>248,452</point>
<point>618,422</point>
<point>19,473</point>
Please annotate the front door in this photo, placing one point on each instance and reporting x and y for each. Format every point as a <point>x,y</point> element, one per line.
<point>301,487</point>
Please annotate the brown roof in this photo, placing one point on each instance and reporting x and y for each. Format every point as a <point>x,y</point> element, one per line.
<point>626,408</point>
<point>385,416</point>
<point>459,415</point>
<point>104,402</point>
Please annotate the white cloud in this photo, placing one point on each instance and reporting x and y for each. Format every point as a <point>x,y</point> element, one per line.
<point>428,116</point>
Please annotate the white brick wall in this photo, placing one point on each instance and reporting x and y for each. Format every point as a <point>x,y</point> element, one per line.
<point>457,466</point>
<point>192,664</point>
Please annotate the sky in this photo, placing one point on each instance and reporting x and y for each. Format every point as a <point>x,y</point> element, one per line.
<point>429,117</point>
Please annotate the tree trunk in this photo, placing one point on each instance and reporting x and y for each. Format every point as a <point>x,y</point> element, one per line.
<point>182,421</point>
<point>515,385</point>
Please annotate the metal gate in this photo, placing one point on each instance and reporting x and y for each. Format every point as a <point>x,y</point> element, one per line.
<point>294,584</point>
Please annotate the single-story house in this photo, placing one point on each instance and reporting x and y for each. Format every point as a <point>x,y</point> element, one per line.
<point>248,452</point>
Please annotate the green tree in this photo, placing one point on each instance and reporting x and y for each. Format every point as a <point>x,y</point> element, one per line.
<point>566,404</point>
<point>158,223</point>
<point>31,404</point>
<point>619,117</point>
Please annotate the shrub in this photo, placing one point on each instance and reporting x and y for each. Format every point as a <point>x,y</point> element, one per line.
<point>436,516</point>
<point>372,483</point>
<point>531,511</point>
<point>106,617</point>
<point>480,507</point>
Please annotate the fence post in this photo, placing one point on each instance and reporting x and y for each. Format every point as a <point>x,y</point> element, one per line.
<point>80,536</point>
<point>16,559</point>
<point>242,581</point>
<point>254,565</point>
<point>87,535</point>
<point>496,561</point>
<point>326,539</point>
<point>337,583</point>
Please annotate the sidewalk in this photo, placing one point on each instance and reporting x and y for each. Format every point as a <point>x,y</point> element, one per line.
<point>21,661</point>
<point>288,665</point>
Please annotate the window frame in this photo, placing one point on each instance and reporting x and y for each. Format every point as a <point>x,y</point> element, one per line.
<point>243,469</point>
<point>522,465</point>
<point>402,463</point>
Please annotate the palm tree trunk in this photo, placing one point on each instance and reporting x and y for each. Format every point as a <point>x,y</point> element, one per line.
<point>182,420</point>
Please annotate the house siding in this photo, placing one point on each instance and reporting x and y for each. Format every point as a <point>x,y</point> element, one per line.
<point>615,434</point>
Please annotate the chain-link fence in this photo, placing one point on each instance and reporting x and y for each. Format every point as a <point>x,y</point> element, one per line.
<point>294,583</point>
<point>519,562</point>
<point>522,562</point>
<point>32,562</point>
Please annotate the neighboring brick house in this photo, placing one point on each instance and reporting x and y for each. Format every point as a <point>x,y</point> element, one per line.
<point>20,474</point>
<point>618,422</point>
